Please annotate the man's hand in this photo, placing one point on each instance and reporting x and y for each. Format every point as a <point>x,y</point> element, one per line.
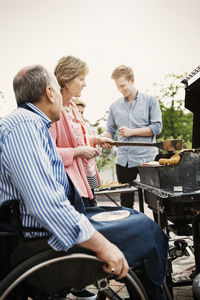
<point>125,131</point>
<point>86,152</point>
<point>103,142</point>
<point>114,260</point>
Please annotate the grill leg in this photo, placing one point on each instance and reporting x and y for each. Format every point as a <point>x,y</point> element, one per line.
<point>141,200</point>
<point>196,241</point>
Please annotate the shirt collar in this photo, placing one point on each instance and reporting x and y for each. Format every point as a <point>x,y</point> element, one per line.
<point>36,110</point>
<point>136,98</point>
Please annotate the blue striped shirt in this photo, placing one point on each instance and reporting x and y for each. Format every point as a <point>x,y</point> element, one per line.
<point>144,112</point>
<point>32,171</point>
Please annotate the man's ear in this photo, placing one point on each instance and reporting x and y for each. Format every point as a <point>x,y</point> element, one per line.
<point>49,93</point>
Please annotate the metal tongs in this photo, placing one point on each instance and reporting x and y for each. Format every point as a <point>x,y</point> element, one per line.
<point>167,145</point>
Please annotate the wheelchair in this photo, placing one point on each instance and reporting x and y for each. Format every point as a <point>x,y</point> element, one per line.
<point>30,269</point>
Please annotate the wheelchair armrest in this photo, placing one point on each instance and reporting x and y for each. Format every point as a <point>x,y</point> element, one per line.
<point>7,234</point>
<point>31,247</point>
<point>7,230</point>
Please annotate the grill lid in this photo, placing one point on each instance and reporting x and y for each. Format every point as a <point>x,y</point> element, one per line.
<point>192,91</point>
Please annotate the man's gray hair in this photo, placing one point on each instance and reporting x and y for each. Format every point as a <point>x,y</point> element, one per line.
<point>30,84</point>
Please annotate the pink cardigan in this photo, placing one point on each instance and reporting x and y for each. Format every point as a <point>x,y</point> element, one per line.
<point>65,141</point>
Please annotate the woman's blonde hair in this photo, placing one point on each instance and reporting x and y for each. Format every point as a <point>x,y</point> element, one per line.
<point>122,70</point>
<point>69,67</point>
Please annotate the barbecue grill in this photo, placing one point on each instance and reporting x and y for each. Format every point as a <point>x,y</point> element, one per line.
<point>173,192</point>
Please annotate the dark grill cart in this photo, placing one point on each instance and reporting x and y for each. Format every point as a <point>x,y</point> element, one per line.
<point>173,192</point>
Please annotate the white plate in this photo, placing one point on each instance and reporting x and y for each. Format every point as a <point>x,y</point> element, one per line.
<point>111,215</point>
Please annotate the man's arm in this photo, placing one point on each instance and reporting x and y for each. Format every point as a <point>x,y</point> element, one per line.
<point>127,132</point>
<point>45,197</point>
<point>111,126</point>
<point>155,116</point>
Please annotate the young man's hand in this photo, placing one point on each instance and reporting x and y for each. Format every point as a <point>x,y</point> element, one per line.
<point>125,131</point>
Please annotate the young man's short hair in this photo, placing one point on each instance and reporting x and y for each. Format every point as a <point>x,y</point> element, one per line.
<point>122,70</point>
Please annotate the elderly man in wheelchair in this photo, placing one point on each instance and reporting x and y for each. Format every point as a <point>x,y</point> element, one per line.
<point>49,244</point>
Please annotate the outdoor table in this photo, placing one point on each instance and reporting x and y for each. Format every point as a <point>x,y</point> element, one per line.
<point>109,192</point>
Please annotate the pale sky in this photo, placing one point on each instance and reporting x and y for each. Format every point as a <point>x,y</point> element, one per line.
<point>154,37</point>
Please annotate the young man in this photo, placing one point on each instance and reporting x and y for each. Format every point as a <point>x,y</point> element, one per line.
<point>137,118</point>
<point>32,172</point>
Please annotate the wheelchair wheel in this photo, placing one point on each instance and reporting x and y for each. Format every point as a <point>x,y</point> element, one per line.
<point>52,274</point>
<point>128,288</point>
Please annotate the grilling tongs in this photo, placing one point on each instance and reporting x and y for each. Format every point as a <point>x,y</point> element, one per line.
<point>167,145</point>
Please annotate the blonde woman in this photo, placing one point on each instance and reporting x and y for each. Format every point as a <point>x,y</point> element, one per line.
<point>76,148</point>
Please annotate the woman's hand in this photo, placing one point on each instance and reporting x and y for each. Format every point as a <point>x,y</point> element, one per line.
<point>103,142</point>
<point>86,152</point>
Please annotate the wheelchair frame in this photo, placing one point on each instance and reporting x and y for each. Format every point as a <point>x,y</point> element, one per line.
<point>14,278</point>
<point>40,265</point>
